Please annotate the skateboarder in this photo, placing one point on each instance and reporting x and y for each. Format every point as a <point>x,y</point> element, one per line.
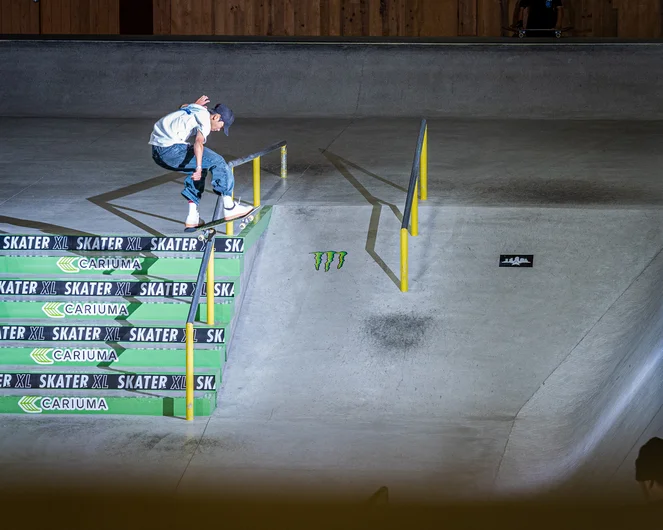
<point>542,14</point>
<point>178,145</point>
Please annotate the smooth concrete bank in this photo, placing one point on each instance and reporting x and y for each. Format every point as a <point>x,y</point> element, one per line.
<point>479,380</point>
<point>505,79</point>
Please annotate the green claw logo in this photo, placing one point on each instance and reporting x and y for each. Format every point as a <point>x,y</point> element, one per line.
<point>67,265</point>
<point>52,309</point>
<point>28,404</point>
<point>40,355</point>
<point>330,258</point>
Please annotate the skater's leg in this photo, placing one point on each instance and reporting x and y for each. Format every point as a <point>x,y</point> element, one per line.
<point>223,181</point>
<point>181,158</point>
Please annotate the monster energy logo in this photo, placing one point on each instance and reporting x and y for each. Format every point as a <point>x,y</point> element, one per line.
<point>330,258</point>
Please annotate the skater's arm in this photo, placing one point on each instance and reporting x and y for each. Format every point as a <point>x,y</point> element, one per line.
<point>198,151</point>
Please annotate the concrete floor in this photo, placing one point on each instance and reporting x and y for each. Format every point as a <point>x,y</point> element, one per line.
<point>339,380</point>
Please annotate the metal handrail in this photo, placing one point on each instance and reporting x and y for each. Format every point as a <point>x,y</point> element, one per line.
<point>207,263</point>
<point>267,150</point>
<point>418,174</point>
<point>240,161</point>
<point>195,301</point>
<point>414,174</point>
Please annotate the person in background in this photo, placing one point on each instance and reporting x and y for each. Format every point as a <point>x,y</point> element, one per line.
<point>649,470</point>
<point>541,15</point>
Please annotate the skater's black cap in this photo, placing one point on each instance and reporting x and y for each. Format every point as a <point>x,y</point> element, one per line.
<point>226,115</point>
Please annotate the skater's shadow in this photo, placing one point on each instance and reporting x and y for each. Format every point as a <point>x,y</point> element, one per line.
<point>104,201</point>
<point>342,166</point>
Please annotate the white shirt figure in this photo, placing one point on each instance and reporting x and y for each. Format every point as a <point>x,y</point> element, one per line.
<point>180,126</point>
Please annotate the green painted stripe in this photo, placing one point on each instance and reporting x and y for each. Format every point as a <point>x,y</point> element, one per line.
<point>257,227</point>
<point>111,357</point>
<point>37,288</point>
<point>44,243</point>
<point>160,268</point>
<point>70,311</point>
<point>130,333</point>
<point>136,406</point>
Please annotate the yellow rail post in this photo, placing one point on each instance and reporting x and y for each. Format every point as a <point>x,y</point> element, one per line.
<point>284,161</point>
<point>189,371</point>
<point>415,211</point>
<point>404,259</point>
<point>210,286</point>
<point>229,226</point>
<point>423,168</point>
<point>256,182</point>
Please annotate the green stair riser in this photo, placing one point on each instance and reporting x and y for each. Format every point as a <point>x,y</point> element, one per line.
<point>137,406</point>
<point>107,381</point>
<point>69,289</point>
<point>203,334</point>
<point>104,357</point>
<point>160,268</point>
<point>112,311</point>
<point>187,245</point>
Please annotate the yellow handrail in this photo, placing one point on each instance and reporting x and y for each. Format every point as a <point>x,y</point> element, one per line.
<point>418,181</point>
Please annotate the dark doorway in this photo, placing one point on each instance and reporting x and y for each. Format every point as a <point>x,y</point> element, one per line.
<point>136,17</point>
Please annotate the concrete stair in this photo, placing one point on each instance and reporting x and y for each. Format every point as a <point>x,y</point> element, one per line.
<point>96,324</point>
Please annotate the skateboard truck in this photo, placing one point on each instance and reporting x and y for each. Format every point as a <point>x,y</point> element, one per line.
<point>207,231</point>
<point>207,235</point>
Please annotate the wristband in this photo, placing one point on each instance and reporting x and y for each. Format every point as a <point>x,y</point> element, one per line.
<point>199,167</point>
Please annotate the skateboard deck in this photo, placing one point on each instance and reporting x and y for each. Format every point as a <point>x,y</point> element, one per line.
<point>208,230</point>
<point>522,32</point>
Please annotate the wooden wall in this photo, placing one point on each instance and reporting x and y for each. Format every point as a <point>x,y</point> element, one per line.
<point>394,18</point>
<point>52,17</point>
<point>378,18</point>
<point>19,17</point>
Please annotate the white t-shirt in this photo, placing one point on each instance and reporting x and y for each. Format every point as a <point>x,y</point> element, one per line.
<point>177,127</point>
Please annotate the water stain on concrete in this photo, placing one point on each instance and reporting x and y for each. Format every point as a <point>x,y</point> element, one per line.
<point>568,191</point>
<point>398,331</point>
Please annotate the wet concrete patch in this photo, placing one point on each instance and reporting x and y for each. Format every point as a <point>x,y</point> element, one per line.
<point>568,191</point>
<point>398,331</point>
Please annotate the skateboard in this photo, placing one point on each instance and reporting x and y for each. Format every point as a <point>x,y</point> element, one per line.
<point>522,32</point>
<point>208,230</point>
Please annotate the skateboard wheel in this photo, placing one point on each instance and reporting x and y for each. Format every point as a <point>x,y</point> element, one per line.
<point>201,238</point>
<point>242,226</point>
<point>250,218</point>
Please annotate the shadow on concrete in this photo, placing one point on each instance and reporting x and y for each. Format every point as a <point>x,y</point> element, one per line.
<point>567,191</point>
<point>46,228</point>
<point>342,166</point>
<point>104,200</point>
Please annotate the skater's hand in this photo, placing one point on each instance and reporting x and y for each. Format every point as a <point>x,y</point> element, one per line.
<point>197,174</point>
<point>202,101</point>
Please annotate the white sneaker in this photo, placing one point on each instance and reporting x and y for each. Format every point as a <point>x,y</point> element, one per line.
<point>233,209</point>
<point>193,220</point>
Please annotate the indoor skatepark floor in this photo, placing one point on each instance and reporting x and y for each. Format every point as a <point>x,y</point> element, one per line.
<point>337,379</point>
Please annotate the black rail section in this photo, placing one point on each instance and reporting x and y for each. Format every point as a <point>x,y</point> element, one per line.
<point>266,151</point>
<point>414,175</point>
<point>209,245</point>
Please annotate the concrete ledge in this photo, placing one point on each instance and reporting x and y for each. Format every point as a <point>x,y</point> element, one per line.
<point>146,79</point>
